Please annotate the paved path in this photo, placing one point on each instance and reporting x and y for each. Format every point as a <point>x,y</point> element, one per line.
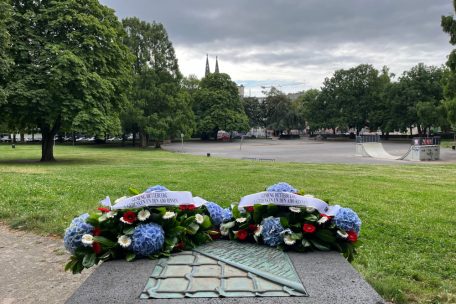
<point>303,150</point>
<point>31,269</point>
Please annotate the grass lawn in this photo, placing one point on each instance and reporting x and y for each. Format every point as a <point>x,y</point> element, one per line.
<point>408,211</point>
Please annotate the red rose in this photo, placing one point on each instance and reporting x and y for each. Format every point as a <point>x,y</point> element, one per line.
<point>242,234</point>
<point>129,217</point>
<point>308,228</point>
<point>253,227</point>
<point>352,236</point>
<point>96,247</point>
<point>249,209</point>
<point>182,207</point>
<point>191,207</point>
<point>103,209</point>
<point>96,231</point>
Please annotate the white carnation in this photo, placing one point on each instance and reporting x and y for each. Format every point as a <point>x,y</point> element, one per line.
<point>111,214</point>
<point>241,220</point>
<point>87,239</point>
<point>168,215</point>
<point>310,209</point>
<point>323,220</point>
<point>124,241</point>
<point>224,230</point>
<point>342,234</point>
<point>288,240</point>
<point>143,215</point>
<point>258,230</point>
<point>295,209</point>
<point>199,218</point>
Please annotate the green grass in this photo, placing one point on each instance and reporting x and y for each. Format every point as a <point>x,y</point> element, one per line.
<point>408,211</point>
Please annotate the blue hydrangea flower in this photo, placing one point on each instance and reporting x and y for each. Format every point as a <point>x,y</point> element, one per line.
<point>156,188</point>
<point>227,214</point>
<point>218,214</point>
<point>74,233</point>
<point>348,220</point>
<point>272,231</point>
<point>281,187</point>
<point>147,239</point>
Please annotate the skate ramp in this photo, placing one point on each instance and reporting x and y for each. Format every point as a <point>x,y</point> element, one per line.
<point>376,150</point>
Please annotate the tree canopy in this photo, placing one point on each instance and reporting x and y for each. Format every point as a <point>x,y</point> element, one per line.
<point>217,106</point>
<point>69,61</point>
<point>161,109</point>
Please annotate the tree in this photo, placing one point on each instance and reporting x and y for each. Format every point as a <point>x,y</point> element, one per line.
<point>69,59</point>
<point>421,85</point>
<point>5,60</point>
<point>253,110</point>
<point>161,108</point>
<point>350,96</point>
<point>313,110</point>
<point>448,24</point>
<point>218,106</point>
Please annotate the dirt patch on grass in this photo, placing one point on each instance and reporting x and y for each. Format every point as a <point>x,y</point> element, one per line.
<point>31,269</point>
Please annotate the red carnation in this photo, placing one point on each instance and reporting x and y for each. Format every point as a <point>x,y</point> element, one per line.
<point>242,234</point>
<point>191,207</point>
<point>308,228</point>
<point>249,209</point>
<point>96,247</point>
<point>215,234</point>
<point>103,209</point>
<point>129,217</point>
<point>352,236</point>
<point>96,231</point>
<point>253,227</point>
<point>180,246</point>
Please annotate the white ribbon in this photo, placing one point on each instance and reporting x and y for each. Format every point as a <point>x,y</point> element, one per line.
<point>198,201</point>
<point>288,199</point>
<point>156,199</point>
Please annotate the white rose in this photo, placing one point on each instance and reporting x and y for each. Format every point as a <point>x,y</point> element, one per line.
<point>323,220</point>
<point>310,209</point>
<point>288,240</point>
<point>241,220</point>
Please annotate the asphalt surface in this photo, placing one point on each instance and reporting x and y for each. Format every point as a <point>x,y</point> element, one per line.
<point>302,150</point>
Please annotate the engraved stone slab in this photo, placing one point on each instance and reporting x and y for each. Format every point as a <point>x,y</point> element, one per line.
<point>224,269</point>
<point>327,277</point>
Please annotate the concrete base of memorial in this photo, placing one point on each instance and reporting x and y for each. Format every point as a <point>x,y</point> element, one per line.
<point>326,276</point>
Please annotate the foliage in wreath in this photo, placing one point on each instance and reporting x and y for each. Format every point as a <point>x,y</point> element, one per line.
<point>158,231</point>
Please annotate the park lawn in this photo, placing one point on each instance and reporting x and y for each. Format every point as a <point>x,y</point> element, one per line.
<point>408,211</point>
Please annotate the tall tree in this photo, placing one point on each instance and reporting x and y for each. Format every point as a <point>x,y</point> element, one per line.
<point>280,114</point>
<point>254,111</point>
<point>68,59</point>
<point>163,110</point>
<point>449,26</point>
<point>5,60</point>
<point>218,106</point>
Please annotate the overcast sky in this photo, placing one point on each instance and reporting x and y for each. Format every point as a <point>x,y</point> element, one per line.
<point>296,43</point>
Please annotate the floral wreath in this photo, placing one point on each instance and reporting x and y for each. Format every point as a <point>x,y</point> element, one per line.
<point>154,232</point>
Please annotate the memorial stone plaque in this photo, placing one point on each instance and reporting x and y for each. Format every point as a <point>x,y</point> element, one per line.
<point>225,269</point>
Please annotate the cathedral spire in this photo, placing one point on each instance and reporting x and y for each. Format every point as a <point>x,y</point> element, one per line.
<point>216,65</point>
<point>208,71</point>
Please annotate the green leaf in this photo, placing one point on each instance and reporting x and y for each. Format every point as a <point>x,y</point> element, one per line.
<point>306,243</point>
<point>236,212</point>
<point>130,256</point>
<point>133,191</point>
<point>258,211</point>
<point>89,260</point>
<point>129,230</point>
<point>311,218</point>
<point>70,265</point>
<point>206,223</point>
<point>319,245</point>
<point>107,243</point>
<point>284,222</point>
<point>193,228</point>
<point>272,209</point>
<point>326,236</point>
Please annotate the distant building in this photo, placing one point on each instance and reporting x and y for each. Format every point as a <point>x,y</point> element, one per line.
<point>208,70</point>
<point>241,90</point>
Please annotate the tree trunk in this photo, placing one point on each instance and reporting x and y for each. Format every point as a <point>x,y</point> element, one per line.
<point>411,131</point>
<point>134,139</point>
<point>334,131</point>
<point>157,144</point>
<point>144,139</point>
<point>47,146</point>
<point>22,138</point>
